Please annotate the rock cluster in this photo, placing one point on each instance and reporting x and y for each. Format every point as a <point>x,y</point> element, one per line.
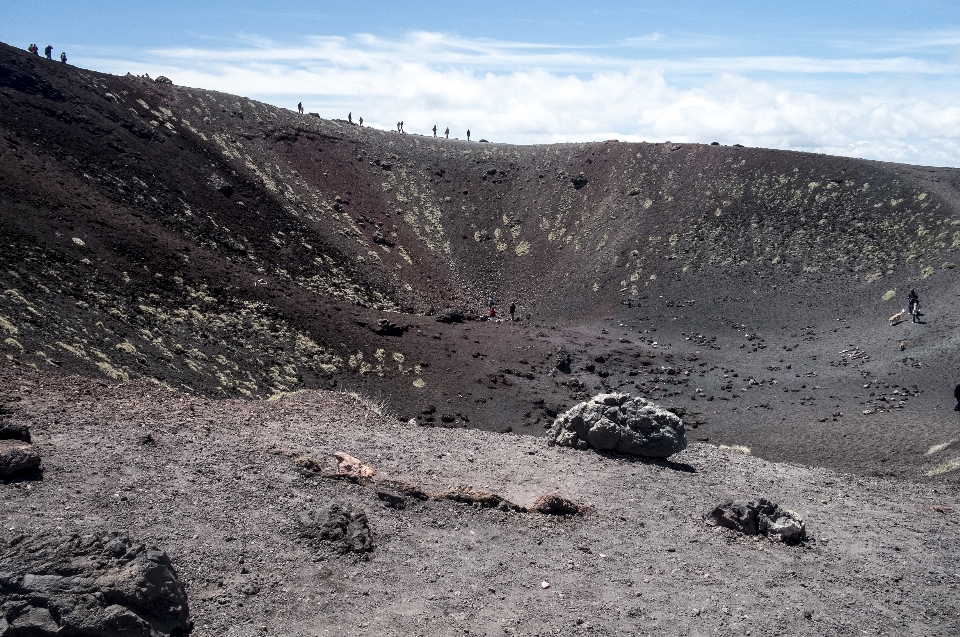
<point>87,585</point>
<point>758,517</point>
<point>562,360</point>
<point>622,423</point>
<point>345,529</point>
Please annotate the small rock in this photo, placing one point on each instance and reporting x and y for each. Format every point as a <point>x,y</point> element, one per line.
<point>335,524</point>
<point>450,316</point>
<point>351,467</point>
<point>759,517</point>
<point>14,431</point>
<point>17,456</point>
<point>551,504</point>
<point>391,499</point>
<point>544,584</point>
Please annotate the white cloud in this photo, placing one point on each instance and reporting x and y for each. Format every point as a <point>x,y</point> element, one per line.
<point>896,109</point>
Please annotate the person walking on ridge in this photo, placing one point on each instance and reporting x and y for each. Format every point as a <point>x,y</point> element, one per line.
<point>360,119</point>
<point>48,51</point>
<point>63,57</point>
<point>300,107</point>
<point>446,133</point>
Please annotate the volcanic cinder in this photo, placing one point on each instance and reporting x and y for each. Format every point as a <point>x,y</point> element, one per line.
<point>187,274</point>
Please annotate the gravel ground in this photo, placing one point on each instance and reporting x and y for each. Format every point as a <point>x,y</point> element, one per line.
<point>213,484</point>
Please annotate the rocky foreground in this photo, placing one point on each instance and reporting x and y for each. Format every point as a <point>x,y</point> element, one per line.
<point>226,489</point>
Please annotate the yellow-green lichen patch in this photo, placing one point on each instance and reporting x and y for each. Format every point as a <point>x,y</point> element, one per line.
<point>889,294</point>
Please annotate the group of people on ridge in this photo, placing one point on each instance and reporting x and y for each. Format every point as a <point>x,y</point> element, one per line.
<point>47,51</point>
<point>446,132</point>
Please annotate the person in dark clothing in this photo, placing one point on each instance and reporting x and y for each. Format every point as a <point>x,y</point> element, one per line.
<point>350,117</point>
<point>360,119</point>
<point>513,310</point>
<point>434,130</point>
<point>914,306</point>
<point>63,59</point>
<point>446,133</point>
<point>48,52</point>
<point>468,134</point>
<point>300,107</point>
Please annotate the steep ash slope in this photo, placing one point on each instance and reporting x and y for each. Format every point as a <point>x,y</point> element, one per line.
<point>224,246</point>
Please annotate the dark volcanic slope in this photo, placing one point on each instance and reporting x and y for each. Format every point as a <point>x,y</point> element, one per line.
<point>227,247</point>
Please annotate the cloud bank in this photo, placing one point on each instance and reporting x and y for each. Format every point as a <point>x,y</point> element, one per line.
<point>893,108</point>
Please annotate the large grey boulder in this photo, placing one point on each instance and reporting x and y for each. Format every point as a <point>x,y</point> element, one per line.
<point>86,586</point>
<point>758,517</point>
<point>622,423</point>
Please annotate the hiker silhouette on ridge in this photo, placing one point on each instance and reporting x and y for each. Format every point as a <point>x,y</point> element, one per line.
<point>48,51</point>
<point>360,120</point>
<point>446,133</point>
<point>434,130</point>
<point>63,57</point>
<point>350,117</point>
<point>468,134</point>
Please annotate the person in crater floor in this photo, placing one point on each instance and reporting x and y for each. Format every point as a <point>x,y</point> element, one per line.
<point>914,306</point>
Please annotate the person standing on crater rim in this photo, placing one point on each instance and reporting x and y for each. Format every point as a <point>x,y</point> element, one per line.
<point>914,304</point>
<point>446,133</point>
<point>360,119</point>
<point>434,130</point>
<point>468,134</point>
<point>300,107</point>
<point>48,52</point>
<point>350,117</point>
<point>63,58</point>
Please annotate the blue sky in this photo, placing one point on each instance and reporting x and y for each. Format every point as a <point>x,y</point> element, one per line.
<point>870,79</point>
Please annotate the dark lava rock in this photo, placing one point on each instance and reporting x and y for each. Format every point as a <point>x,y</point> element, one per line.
<point>89,586</point>
<point>162,79</point>
<point>579,181</point>
<point>221,185</point>
<point>450,316</point>
<point>391,498</point>
<point>346,530</point>
<point>551,504</point>
<point>380,238</point>
<point>621,423</point>
<point>562,360</point>
<point>386,328</point>
<point>14,431</point>
<point>17,456</point>
<point>758,517</point>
